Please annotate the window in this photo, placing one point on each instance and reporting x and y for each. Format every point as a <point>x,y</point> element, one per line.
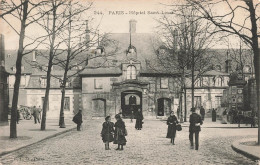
<point>247,69</point>
<point>218,68</point>
<point>131,72</point>
<point>98,84</point>
<point>164,83</point>
<point>197,101</point>
<point>66,104</point>
<point>43,81</point>
<point>198,83</point>
<point>23,81</point>
<point>217,101</point>
<point>218,82</point>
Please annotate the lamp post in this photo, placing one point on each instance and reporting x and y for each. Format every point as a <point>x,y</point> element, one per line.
<point>62,123</point>
<point>181,108</point>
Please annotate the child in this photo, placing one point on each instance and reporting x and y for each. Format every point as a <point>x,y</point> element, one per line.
<point>107,132</point>
<point>120,132</point>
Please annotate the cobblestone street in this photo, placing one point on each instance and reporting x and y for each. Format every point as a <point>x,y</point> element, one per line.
<point>148,146</point>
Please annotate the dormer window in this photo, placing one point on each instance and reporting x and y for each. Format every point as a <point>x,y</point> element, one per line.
<point>218,68</point>
<point>14,69</point>
<point>100,50</point>
<point>131,72</point>
<point>22,68</point>
<point>131,49</point>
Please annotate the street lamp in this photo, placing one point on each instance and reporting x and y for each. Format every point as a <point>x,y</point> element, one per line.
<point>62,123</point>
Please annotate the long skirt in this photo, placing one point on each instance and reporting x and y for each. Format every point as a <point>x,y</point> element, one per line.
<point>138,123</point>
<point>171,132</point>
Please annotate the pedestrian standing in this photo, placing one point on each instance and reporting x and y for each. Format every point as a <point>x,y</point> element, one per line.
<point>78,119</point>
<point>36,115</point>
<point>202,112</point>
<point>120,133</point>
<point>214,115</point>
<point>139,120</point>
<point>171,122</point>
<point>107,132</point>
<point>132,116</point>
<point>18,116</point>
<point>195,122</point>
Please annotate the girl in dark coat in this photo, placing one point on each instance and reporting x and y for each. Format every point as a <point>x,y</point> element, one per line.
<point>139,120</point>
<point>171,122</point>
<point>120,133</point>
<point>107,132</point>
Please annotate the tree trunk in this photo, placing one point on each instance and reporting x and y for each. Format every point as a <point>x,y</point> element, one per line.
<point>62,105</point>
<point>192,82</point>
<point>13,131</point>
<point>51,55</point>
<point>256,57</point>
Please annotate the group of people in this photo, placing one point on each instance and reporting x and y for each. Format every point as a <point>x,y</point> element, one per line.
<point>195,121</point>
<point>114,132</point>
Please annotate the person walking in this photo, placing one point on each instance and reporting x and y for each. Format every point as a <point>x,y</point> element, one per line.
<point>78,119</point>
<point>107,132</point>
<point>171,122</point>
<point>214,115</point>
<point>139,120</point>
<point>195,122</point>
<point>120,133</point>
<point>36,115</point>
<point>202,112</point>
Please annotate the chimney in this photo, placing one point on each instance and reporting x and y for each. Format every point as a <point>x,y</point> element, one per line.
<point>2,51</point>
<point>132,26</point>
<point>228,67</point>
<point>34,56</point>
<point>87,37</point>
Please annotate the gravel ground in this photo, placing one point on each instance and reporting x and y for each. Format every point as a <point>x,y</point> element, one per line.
<point>148,146</point>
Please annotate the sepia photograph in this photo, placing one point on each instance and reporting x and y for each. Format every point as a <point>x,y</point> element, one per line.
<point>149,82</point>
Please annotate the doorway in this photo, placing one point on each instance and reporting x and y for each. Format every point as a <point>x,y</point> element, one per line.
<point>164,106</point>
<point>130,101</point>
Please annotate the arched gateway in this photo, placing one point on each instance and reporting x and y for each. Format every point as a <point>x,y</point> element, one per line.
<point>131,100</point>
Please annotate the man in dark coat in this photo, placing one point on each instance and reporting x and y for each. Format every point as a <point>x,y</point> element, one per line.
<point>78,119</point>
<point>202,112</point>
<point>214,115</point>
<point>139,120</point>
<point>36,115</point>
<point>195,122</point>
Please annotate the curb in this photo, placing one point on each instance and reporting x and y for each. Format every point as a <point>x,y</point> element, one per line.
<point>235,147</point>
<point>46,138</point>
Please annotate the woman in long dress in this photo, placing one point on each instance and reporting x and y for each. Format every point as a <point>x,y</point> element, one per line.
<point>120,133</point>
<point>171,122</point>
<point>139,120</point>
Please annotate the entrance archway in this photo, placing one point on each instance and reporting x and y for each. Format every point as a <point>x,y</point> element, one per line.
<point>99,107</point>
<point>164,106</point>
<point>131,101</point>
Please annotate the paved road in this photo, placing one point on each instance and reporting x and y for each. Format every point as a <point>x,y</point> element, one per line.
<point>148,146</point>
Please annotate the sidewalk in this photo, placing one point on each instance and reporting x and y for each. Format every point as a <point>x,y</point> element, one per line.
<point>247,147</point>
<point>29,133</point>
<point>207,123</point>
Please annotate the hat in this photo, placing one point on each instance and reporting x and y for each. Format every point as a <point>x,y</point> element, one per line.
<point>117,116</point>
<point>107,118</point>
<point>192,109</point>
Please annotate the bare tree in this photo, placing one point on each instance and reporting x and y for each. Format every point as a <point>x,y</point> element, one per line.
<point>230,22</point>
<point>187,42</point>
<point>24,12</point>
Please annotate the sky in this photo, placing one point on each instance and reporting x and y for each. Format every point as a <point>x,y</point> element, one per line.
<point>112,15</point>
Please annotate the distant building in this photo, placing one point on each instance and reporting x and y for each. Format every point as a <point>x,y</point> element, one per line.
<point>124,82</point>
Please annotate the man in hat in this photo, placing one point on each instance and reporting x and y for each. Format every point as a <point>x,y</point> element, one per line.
<point>78,119</point>
<point>195,122</point>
